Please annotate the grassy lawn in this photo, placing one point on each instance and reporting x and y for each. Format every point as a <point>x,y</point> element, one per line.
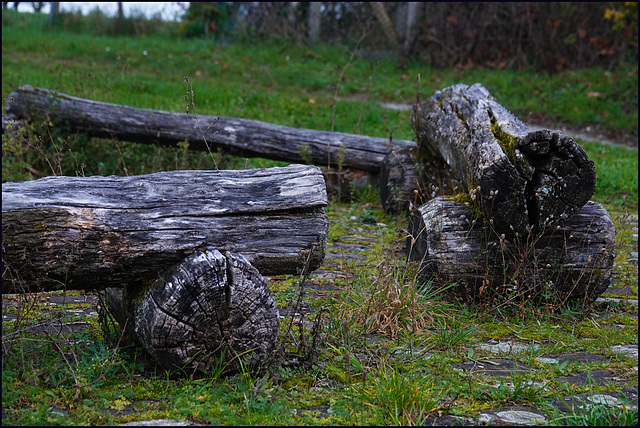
<point>370,369</point>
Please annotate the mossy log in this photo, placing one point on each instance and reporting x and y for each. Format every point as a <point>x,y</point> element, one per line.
<point>522,179</point>
<point>453,244</point>
<point>240,137</point>
<point>97,232</point>
<point>210,312</point>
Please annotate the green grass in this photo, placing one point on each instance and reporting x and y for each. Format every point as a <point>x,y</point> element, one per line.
<point>388,348</point>
<point>282,83</point>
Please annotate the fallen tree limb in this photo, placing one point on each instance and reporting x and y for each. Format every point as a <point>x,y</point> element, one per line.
<point>241,137</point>
<point>523,179</point>
<point>453,244</point>
<point>97,232</point>
<point>209,312</point>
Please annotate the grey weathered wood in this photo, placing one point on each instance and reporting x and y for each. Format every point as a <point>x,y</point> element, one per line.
<point>399,179</point>
<point>97,232</point>
<point>242,137</point>
<point>453,244</point>
<point>209,312</point>
<point>525,179</point>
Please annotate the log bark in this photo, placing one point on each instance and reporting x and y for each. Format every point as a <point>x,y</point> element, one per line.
<point>453,244</point>
<point>242,137</point>
<point>97,232</point>
<point>524,179</point>
<point>210,312</point>
<point>399,180</point>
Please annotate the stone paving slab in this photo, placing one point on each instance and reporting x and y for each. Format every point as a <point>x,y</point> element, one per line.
<point>629,350</point>
<point>495,367</point>
<point>582,402</point>
<point>572,357</point>
<point>501,347</point>
<point>512,415</point>
<point>591,377</point>
<point>160,423</point>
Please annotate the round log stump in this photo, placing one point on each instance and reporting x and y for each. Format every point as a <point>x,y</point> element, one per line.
<point>210,312</point>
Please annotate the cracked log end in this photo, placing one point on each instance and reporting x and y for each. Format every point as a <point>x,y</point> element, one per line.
<point>527,179</point>
<point>211,311</point>
<point>453,244</point>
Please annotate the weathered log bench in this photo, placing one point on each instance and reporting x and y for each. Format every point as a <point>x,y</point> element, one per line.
<point>160,238</point>
<point>241,137</point>
<point>454,245</point>
<point>523,179</point>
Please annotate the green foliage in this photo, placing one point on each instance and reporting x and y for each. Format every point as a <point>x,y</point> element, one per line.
<point>597,415</point>
<point>617,173</point>
<point>206,19</point>
<point>397,397</point>
<point>379,326</point>
<point>624,16</point>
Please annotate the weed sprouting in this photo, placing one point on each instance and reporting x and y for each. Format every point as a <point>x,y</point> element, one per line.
<point>596,415</point>
<point>190,109</point>
<point>452,336</point>
<point>399,398</point>
<point>390,304</point>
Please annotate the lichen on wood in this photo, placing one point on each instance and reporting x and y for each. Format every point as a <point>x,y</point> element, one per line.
<point>528,180</point>
<point>574,260</point>
<point>97,232</point>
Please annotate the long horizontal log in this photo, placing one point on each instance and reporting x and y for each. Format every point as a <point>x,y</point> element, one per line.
<point>523,179</point>
<point>572,260</point>
<point>242,137</point>
<point>97,232</point>
<point>209,312</point>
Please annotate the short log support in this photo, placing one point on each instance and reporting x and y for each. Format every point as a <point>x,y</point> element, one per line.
<point>210,312</point>
<point>453,244</point>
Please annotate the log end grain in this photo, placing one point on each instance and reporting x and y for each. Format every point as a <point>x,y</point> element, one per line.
<point>526,180</point>
<point>212,312</point>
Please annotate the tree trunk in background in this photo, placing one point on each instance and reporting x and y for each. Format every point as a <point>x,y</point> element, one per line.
<point>401,20</point>
<point>523,179</point>
<point>385,23</point>
<point>54,10</point>
<point>209,312</point>
<point>314,21</point>
<point>413,12</point>
<point>291,15</point>
<point>452,244</point>
<point>97,232</point>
